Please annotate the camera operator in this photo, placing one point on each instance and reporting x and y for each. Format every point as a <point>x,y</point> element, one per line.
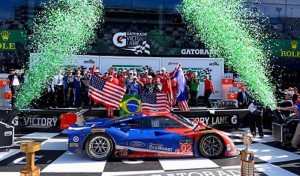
<point>286,105</point>
<point>296,138</point>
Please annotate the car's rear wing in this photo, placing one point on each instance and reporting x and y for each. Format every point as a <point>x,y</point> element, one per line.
<point>80,118</point>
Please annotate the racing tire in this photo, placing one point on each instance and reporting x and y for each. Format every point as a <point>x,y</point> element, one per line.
<point>99,146</point>
<point>211,146</point>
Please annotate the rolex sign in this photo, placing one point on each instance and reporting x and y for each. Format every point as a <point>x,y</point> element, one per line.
<point>9,38</point>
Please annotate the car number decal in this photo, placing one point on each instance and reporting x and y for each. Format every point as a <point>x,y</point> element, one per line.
<point>185,147</point>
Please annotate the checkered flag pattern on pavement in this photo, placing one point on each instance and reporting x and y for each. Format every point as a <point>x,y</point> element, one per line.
<point>140,49</point>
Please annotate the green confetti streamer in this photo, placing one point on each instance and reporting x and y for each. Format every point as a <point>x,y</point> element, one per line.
<point>233,33</point>
<point>63,29</point>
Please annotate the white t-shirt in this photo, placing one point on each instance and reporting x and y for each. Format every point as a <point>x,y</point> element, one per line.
<point>15,81</point>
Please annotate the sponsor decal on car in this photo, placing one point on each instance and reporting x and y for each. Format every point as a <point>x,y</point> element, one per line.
<point>137,144</point>
<point>98,130</point>
<point>159,147</point>
<point>73,145</point>
<point>207,131</point>
<point>122,120</point>
<point>75,138</point>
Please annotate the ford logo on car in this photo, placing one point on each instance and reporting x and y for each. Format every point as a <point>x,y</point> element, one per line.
<point>137,144</point>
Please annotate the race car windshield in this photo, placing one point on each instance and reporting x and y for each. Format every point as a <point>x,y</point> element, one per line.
<point>184,120</point>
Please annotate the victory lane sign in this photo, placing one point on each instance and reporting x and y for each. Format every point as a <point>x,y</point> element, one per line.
<point>38,120</point>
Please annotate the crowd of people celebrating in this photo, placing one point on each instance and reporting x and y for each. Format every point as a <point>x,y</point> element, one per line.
<point>69,88</point>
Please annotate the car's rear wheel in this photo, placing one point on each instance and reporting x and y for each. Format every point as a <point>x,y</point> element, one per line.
<point>211,146</point>
<point>99,146</point>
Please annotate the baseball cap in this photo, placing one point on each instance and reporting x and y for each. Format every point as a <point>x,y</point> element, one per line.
<point>134,77</point>
<point>131,72</point>
<point>12,69</point>
<point>288,93</point>
<point>150,77</point>
<point>163,68</point>
<point>97,71</point>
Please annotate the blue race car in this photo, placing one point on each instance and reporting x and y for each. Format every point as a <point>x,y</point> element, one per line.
<point>147,134</point>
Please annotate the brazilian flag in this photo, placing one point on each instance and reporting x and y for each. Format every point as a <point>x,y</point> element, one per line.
<point>130,104</point>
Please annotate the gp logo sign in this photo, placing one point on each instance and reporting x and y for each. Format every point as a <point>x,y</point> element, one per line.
<point>135,42</point>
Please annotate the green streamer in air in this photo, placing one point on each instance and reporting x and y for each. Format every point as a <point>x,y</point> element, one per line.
<point>233,33</point>
<point>64,28</point>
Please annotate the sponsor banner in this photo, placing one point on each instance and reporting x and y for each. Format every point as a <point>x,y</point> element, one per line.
<point>9,39</point>
<point>127,67</point>
<point>227,120</point>
<point>133,42</point>
<point>87,61</point>
<point>202,66</point>
<point>132,63</point>
<point>77,61</point>
<point>202,172</point>
<point>281,48</point>
<point>195,51</point>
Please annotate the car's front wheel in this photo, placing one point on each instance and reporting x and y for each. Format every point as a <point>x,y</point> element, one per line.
<point>211,146</point>
<point>99,146</point>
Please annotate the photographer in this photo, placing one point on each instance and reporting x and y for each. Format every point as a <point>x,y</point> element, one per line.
<point>13,84</point>
<point>256,118</point>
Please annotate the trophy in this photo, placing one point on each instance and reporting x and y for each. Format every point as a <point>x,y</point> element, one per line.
<point>247,139</point>
<point>247,156</point>
<point>30,148</point>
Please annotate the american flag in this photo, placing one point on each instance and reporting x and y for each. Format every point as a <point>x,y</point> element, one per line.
<point>106,93</point>
<point>155,101</point>
<point>183,106</point>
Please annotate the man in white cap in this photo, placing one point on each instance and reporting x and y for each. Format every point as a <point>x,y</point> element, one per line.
<point>128,79</point>
<point>149,86</point>
<point>97,73</point>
